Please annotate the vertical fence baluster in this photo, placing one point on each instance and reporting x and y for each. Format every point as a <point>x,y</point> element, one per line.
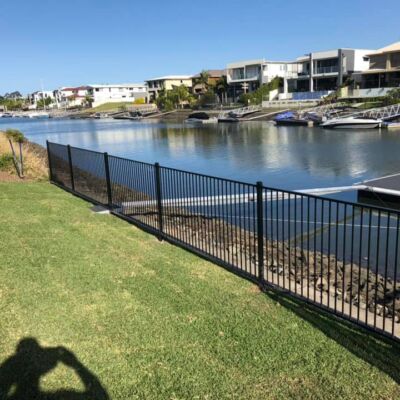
<point>108,180</point>
<point>71,170</point>
<point>159,197</point>
<point>260,232</point>
<point>49,160</point>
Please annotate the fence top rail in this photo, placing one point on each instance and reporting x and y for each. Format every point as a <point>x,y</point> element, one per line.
<point>76,148</point>
<point>134,161</point>
<point>327,199</point>
<point>254,186</point>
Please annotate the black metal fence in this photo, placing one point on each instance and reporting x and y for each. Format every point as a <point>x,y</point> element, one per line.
<point>338,255</point>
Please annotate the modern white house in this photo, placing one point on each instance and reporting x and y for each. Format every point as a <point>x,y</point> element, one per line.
<point>321,72</point>
<point>167,82</point>
<point>67,97</point>
<point>248,76</point>
<point>35,97</point>
<point>115,93</point>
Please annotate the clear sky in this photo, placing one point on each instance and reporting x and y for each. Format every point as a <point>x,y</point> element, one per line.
<point>72,42</point>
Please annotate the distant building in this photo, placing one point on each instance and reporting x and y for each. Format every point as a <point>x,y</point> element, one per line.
<point>128,92</point>
<point>324,71</point>
<point>167,83</point>
<point>35,97</point>
<point>214,75</point>
<point>67,97</point>
<point>248,76</point>
<point>384,68</point>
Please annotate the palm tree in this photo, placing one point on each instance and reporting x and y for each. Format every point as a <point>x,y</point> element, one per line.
<point>203,81</point>
<point>222,88</point>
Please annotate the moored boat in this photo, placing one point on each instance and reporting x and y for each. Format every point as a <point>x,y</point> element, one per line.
<point>200,118</point>
<point>228,117</point>
<point>290,118</point>
<point>352,123</point>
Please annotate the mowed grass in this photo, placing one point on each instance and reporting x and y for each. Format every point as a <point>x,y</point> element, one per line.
<point>153,321</point>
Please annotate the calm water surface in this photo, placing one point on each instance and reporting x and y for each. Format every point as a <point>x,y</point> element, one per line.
<point>284,157</point>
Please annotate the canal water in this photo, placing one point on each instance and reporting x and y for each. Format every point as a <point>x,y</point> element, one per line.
<point>282,157</point>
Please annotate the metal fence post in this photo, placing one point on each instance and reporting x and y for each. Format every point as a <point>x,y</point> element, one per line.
<point>159,196</point>
<point>108,180</point>
<point>260,232</point>
<point>49,161</point>
<point>71,170</point>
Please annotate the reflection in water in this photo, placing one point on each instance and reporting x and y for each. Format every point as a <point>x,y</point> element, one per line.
<point>285,157</point>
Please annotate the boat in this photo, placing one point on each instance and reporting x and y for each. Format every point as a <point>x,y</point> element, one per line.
<point>38,115</point>
<point>352,123</point>
<point>6,115</point>
<point>229,117</point>
<point>200,118</point>
<point>391,125</point>
<point>291,118</point>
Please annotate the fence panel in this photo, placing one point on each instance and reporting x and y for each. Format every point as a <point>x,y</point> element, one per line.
<point>59,164</point>
<point>339,255</point>
<point>213,215</point>
<point>133,189</point>
<point>89,174</point>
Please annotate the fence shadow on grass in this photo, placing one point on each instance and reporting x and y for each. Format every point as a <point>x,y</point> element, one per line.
<point>380,352</point>
<point>20,374</point>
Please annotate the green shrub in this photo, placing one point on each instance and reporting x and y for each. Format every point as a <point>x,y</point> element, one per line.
<point>15,135</point>
<point>261,93</point>
<point>6,162</point>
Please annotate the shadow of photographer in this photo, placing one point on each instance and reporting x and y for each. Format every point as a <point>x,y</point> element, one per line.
<point>20,374</point>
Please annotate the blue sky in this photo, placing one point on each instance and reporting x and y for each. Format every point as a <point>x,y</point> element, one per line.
<point>72,42</point>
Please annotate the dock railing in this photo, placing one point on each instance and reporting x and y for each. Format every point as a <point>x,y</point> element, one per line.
<point>338,255</point>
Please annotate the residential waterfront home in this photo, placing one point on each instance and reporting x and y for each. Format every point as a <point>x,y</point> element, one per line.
<point>321,72</point>
<point>155,85</point>
<point>115,93</point>
<point>35,97</point>
<point>248,76</point>
<point>384,68</point>
<point>214,75</point>
<point>68,97</point>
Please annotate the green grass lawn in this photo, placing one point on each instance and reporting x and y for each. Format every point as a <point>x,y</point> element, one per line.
<point>152,321</point>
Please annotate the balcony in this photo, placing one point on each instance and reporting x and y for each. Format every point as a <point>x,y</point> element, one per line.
<point>326,70</point>
<point>243,77</point>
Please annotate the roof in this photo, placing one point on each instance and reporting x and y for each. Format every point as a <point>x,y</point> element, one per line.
<point>391,48</point>
<point>76,88</point>
<point>117,85</point>
<point>170,77</point>
<point>240,64</point>
<point>212,73</point>
<point>322,54</point>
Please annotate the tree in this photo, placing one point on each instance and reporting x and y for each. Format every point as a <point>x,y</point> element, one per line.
<point>42,103</point>
<point>12,104</point>
<point>261,93</point>
<point>203,79</point>
<point>392,97</point>
<point>88,100</point>
<point>177,97</point>
<point>221,88</point>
